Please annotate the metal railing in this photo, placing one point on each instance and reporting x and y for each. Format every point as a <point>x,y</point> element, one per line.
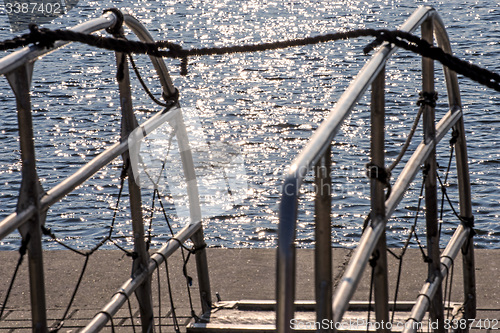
<point>316,155</point>
<point>33,202</point>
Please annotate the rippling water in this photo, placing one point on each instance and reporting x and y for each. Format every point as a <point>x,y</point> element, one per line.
<point>266,103</point>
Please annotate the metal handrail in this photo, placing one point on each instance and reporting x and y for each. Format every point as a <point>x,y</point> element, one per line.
<point>315,150</point>
<point>30,54</point>
<point>18,67</point>
<point>26,57</point>
<point>128,288</point>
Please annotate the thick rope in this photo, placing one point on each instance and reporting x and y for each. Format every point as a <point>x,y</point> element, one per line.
<point>46,38</point>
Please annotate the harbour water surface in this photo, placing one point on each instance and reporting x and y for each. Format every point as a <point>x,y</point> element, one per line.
<point>265,104</point>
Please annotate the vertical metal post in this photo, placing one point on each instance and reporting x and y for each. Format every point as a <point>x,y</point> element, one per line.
<point>129,123</point>
<point>323,235</point>
<point>378,199</point>
<point>20,81</point>
<point>468,263</point>
<point>194,212</point>
<point>431,211</point>
<point>286,255</point>
<point>202,270</point>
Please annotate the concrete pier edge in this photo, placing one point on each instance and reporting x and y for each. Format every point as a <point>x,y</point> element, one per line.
<point>236,274</point>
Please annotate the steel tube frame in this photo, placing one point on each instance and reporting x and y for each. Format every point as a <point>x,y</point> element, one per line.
<point>464,187</point>
<point>463,177</point>
<point>195,215</point>
<point>29,194</point>
<point>353,273</point>
<point>377,151</point>
<point>468,261</point>
<point>430,288</point>
<point>410,170</point>
<point>431,209</point>
<point>35,210</point>
<point>202,270</point>
<point>129,287</point>
<point>129,124</point>
<point>356,267</point>
<point>316,147</point>
<point>285,282</point>
<point>323,237</point>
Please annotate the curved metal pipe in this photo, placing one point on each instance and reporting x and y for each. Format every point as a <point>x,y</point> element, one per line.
<point>33,53</point>
<point>310,155</point>
<point>161,69</point>
<point>26,57</point>
<point>285,283</point>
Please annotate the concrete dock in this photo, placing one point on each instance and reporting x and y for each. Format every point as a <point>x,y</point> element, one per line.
<point>236,274</point>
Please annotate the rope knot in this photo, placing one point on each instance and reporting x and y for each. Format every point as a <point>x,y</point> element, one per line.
<point>173,98</point>
<point>454,137</point>
<point>24,246</point>
<point>41,37</point>
<point>115,29</point>
<point>124,172</point>
<point>380,37</point>
<point>374,258</point>
<point>184,66</point>
<point>195,249</point>
<point>381,174</point>
<point>468,222</point>
<point>134,255</point>
<point>48,232</point>
<point>427,98</point>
